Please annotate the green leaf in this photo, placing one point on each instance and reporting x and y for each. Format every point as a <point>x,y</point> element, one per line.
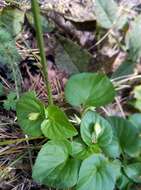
<point>113,149</point>
<point>95,130</point>
<point>80,57</point>
<point>10,102</point>
<point>123,182</point>
<point>12,20</point>
<point>30,114</point>
<point>81,151</point>
<point>133,171</point>
<point>108,14</point>
<point>54,167</point>
<point>57,125</point>
<point>88,89</point>
<point>127,135</point>
<point>98,173</point>
<point>136,120</point>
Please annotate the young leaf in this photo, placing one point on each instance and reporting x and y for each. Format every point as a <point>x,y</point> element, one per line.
<point>96,171</point>
<point>108,14</point>
<point>88,89</point>
<point>30,114</point>
<point>57,125</point>
<point>81,151</point>
<point>127,135</point>
<point>133,171</point>
<point>91,134</point>
<point>54,168</point>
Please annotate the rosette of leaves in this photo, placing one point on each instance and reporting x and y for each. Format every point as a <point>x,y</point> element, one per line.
<point>77,163</point>
<point>87,157</point>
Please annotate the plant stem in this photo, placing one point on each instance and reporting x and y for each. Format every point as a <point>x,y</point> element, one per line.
<point>40,41</point>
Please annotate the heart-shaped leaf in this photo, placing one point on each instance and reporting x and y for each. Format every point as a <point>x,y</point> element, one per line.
<point>127,135</point>
<point>95,130</point>
<point>133,171</point>
<point>30,114</point>
<point>98,173</point>
<point>54,167</point>
<point>88,89</point>
<point>57,125</point>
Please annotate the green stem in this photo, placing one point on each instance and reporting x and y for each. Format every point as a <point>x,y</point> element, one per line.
<point>40,41</point>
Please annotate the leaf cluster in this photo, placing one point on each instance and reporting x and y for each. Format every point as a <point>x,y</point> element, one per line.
<point>98,153</point>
